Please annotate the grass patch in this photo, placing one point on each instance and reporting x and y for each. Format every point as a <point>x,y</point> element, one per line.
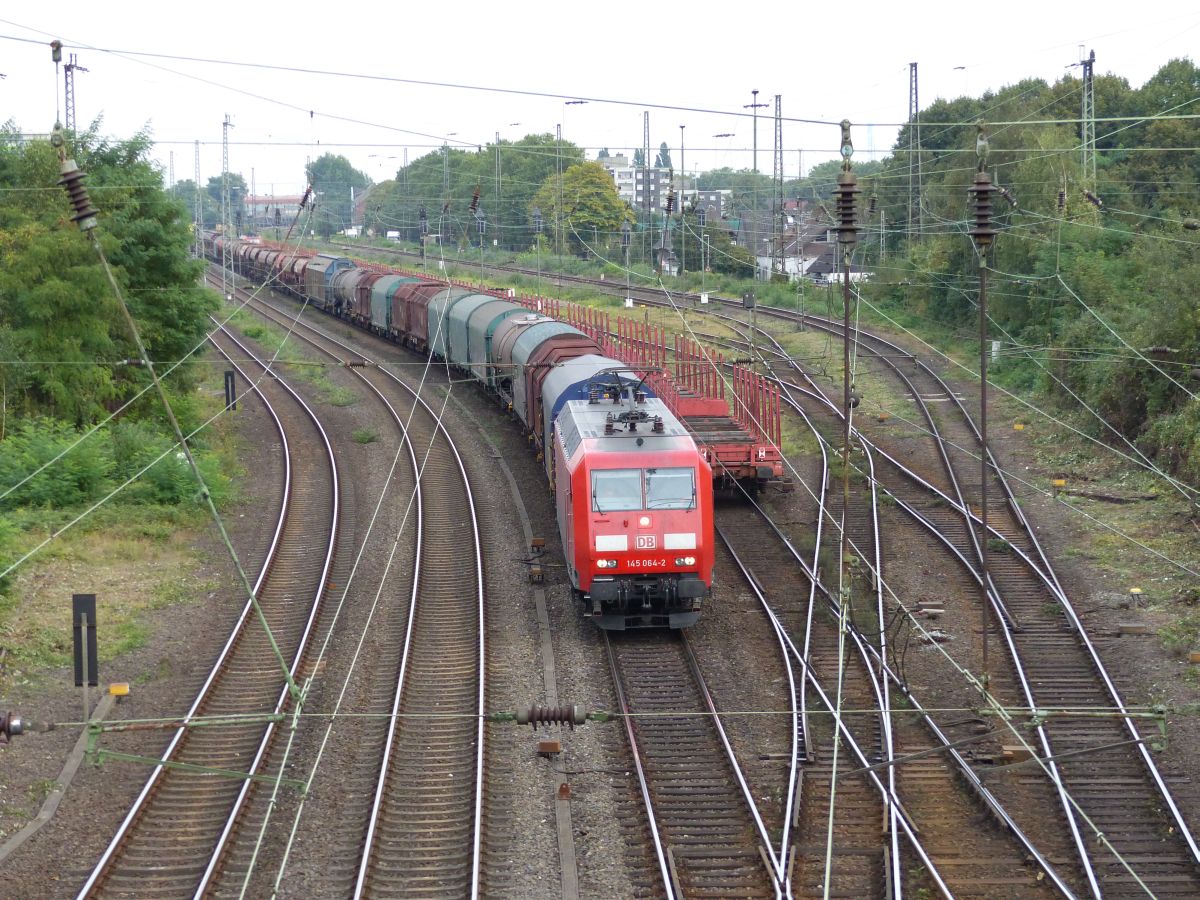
<point>137,557</point>
<point>131,574</point>
<point>340,396</point>
<point>364,436</point>
<point>40,789</point>
<point>1183,635</point>
<point>310,369</point>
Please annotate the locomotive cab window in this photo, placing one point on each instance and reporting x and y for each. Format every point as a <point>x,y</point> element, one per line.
<point>616,489</point>
<point>673,488</point>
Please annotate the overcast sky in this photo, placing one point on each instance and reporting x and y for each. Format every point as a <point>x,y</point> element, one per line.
<point>693,64</point>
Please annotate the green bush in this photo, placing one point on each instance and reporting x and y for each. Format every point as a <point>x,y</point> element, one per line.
<point>97,465</point>
<point>8,550</point>
<point>1175,441</point>
<point>79,476</point>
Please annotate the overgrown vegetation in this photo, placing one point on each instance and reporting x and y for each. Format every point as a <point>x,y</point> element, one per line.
<point>1092,297</point>
<point>78,422</point>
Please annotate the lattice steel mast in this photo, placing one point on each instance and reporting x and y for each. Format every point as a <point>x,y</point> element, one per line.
<point>69,71</point>
<point>777,200</point>
<point>1087,127</point>
<point>915,213</point>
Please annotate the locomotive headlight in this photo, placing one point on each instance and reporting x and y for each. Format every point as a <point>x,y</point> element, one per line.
<point>606,564</point>
<point>685,560</point>
<point>644,522</point>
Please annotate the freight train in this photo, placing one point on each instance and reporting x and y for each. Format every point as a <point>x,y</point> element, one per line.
<point>633,494</point>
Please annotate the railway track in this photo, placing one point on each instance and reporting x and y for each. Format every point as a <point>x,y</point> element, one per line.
<point>167,843</point>
<point>414,813</point>
<point>1125,833</point>
<point>708,835</point>
<point>1129,836</point>
<point>961,823</point>
<point>860,865</point>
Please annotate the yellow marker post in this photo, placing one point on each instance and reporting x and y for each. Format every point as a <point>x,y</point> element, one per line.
<point>1018,426</point>
<point>1058,484</point>
<point>1135,596</point>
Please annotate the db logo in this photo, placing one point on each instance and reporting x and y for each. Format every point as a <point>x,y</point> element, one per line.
<point>645,542</point>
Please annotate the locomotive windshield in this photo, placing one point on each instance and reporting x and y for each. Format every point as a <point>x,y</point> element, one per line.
<point>670,488</point>
<point>615,490</point>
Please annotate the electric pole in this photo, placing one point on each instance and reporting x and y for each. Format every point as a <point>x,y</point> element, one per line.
<point>754,107</point>
<point>646,183</point>
<point>559,208</point>
<point>199,211</point>
<point>1087,126</point>
<point>226,222</point>
<point>845,193</point>
<point>498,217</point>
<point>69,71</point>
<point>682,206</point>
<point>914,154</point>
<point>982,234</point>
<point>777,201</point>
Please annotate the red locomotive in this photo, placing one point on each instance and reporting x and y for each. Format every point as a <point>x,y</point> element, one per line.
<point>634,499</point>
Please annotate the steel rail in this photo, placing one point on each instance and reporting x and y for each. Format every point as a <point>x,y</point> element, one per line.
<point>711,708</point>
<point>868,447</point>
<point>906,825</point>
<point>881,685</point>
<point>1043,570</point>
<point>302,648</point>
<point>652,295</point>
<point>213,867</point>
<point>986,795</point>
<point>99,871</point>
<point>664,864</point>
<point>402,676</point>
<point>1005,622</point>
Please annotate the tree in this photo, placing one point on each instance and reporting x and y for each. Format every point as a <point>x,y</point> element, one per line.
<point>639,157</point>
<point>185,192</point>
<point>663,159</point>
<point>591,211</point>
<point>335,184</point>
<point>450,176</point>
<point>603,154</point>
<point>61,317</point>
<point>714,243</point>
<point>238,192</point>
